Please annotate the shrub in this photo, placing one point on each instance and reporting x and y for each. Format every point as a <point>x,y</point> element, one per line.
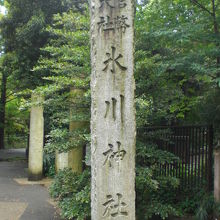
<point>73,194</point>
<point>49,164</point>
<point>154,192</point>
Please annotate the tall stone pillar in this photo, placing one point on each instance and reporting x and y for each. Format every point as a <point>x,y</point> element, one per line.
<point>113,128</point>
<point>35,162</point>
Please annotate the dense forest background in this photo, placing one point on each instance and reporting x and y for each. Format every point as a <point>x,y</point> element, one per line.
<point>45,47</point>
<point>177,60</point>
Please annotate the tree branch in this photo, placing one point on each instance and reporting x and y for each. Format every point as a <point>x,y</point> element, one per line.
<point>11,99</point>
<point>201,6</point>
<point>9,94</point>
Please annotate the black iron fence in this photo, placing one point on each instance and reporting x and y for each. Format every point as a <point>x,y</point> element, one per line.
<point>193,145</point>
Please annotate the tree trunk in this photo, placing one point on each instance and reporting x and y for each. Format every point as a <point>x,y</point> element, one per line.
<point>2,110</point>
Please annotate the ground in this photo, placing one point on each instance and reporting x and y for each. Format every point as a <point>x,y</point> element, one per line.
<point>19,200</point>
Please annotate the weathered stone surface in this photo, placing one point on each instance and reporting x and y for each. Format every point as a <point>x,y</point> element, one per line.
<point>76,159</point>
<point>76,155</point>
<point>113,128</point>
<point>24,181</point>
<point>61,161</point>
<point>35,162</point>
<point>217,175</point>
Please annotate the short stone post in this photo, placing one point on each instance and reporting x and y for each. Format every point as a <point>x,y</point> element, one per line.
<point>217,173</point>
<point>113,127</point>
<point>61,161</point>
<point>76,155</point>
<point>74,158</point>
<point>35,162</point>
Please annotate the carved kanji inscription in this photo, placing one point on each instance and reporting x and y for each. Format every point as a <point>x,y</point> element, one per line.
<point>118,23</point>
<point>108,108</point>
<point>115,207</point>
<point>111,3</point>
<point>114,156</point>
<point>113,124</point>
<point>111,107</point>
<point>108,3</point>
<point>122,102</point>
<point>113,61</point>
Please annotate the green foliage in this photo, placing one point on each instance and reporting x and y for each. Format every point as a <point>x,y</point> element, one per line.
<point>66,62</point>
<point>16,128</point>
<point>66,57</point>
<point>73,192</point>
<point>16,120</point>
<point>208,208</point>
<point>23,32</point>
<point>177,73</point>
<point>189,199</point>
<point>49,164</point>
<point>155,192</point>
<point>63,140</point>
<point>175,60</point>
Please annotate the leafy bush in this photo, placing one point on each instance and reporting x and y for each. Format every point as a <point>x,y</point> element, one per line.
<point>189,199</point>
<point>70,67</point>
<point>73,193</point>
<point>49,164</point>
<point>154,192</point>
<point>208,208</point>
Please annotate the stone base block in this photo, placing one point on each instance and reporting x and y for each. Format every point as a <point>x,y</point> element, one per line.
<point>34,177</point>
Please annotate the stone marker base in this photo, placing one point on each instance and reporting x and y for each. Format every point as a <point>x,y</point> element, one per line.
<point>24,181</point>
<point>34,177</point>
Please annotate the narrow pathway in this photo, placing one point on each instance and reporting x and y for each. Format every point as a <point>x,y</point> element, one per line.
<point>21,202</point>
